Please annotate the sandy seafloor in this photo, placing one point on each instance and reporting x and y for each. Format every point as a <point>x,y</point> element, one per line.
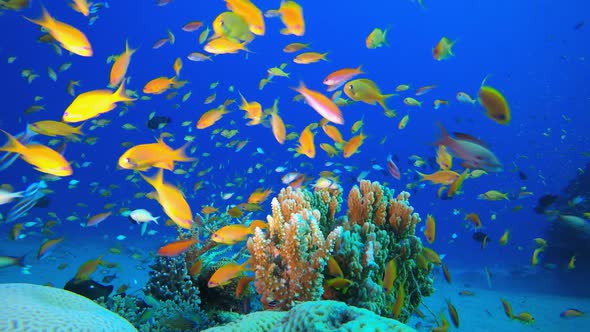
<point>533,291</point>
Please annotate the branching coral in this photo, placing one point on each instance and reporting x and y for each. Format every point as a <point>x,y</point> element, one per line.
<point>380,228</point>
<point>288,260</point>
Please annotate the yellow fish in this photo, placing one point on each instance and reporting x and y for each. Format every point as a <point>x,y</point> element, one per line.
<point>91,104</point>
<point>376,38</point>
<point>172,200</point>
<point>143,156</point>
<point>66,35</point>
<point>367,91</point>
<point>43,158</point>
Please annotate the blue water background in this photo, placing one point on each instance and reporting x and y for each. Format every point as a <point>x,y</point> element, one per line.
<point>531,49</point>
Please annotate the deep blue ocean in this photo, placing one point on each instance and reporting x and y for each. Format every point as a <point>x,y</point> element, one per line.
<point>536,53</point>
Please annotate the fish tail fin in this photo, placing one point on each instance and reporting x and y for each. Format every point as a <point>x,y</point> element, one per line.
<point>258,223</point>
<point>324,56</point>
<point>385,37</point>
<point>444,137</point>
<point>381,101</point>
<point>155,220</point>
<point>45,21</point>
<point>180,155</point>
<point>20,261</point>
<point>120,94</point>
<point>422,176</point>
<point>78,130</point>
<point>177,84</point>
<point>157,180</point>
<point>128,49</point>
<point>13,144</point>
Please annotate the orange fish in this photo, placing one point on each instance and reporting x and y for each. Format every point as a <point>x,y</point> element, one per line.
<point>430,230</point>
<point>195,269</point>
<point>306,143</point>
<point>81,6</point>
<point>507,308</point>
<point>66,35</point>
<point>389,276</point>
<point>210,117</point>
<point>278,127</point>
<point>161,84</point>
<point>458,183</point>
<point>443,49</point>
<point>87,269</point>
<point>351,147</point>
<point>309,57</point>
<point>176,248</point>
<point>440,177</point>
<point>259,196</point>
<point>453,313</point>
<point>474,219</point>
<point>43,158</point>
<point>97,219</point>
<point>292,17</point>
<point>93,103</point>
<point>400,296</point>
<point>332,132</point>
<point>47,246</point>
<point>253,111</point>
<point>294,47</point>
<point>495,104</point>
<point>143,156</point>
<point>232,234</point>
<point>226,273</point>
<point>242,284</point>
<point>172,200</point>
<point>337,79</point>
<point>225,45</point>
<point>119,68</point>
<point>249,12</point>
<point>431,255</point>
<point>446,273</point>
<point>571,312</point>
<point>321,104</point>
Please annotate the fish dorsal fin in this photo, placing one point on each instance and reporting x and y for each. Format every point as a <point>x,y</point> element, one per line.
<point>370,83</point>
<point>467,137</point>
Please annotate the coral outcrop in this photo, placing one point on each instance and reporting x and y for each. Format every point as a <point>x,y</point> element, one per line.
<point>315,316</point>
<point>28,307</point>
<point>288,259</point>
<point>380,228</point>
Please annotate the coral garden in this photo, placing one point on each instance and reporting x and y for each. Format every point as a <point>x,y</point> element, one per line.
<point>369,258</point>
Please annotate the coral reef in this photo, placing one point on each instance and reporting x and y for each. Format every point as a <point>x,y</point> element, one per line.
<point>288,260</point>
<point>169,280</point>
<point>381,228</point>
<point>28,307</point>
<point>159,316</point>
<point>260,321</point>
<point>314,316</point>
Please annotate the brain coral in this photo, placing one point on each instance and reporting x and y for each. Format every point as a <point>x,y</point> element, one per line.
<point>336,316</point>
<point>28,307</point>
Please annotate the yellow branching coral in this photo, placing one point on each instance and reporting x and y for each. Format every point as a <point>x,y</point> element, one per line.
<point>289,260</point>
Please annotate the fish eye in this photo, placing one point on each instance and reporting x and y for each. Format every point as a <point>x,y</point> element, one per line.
<point>350,87</point>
